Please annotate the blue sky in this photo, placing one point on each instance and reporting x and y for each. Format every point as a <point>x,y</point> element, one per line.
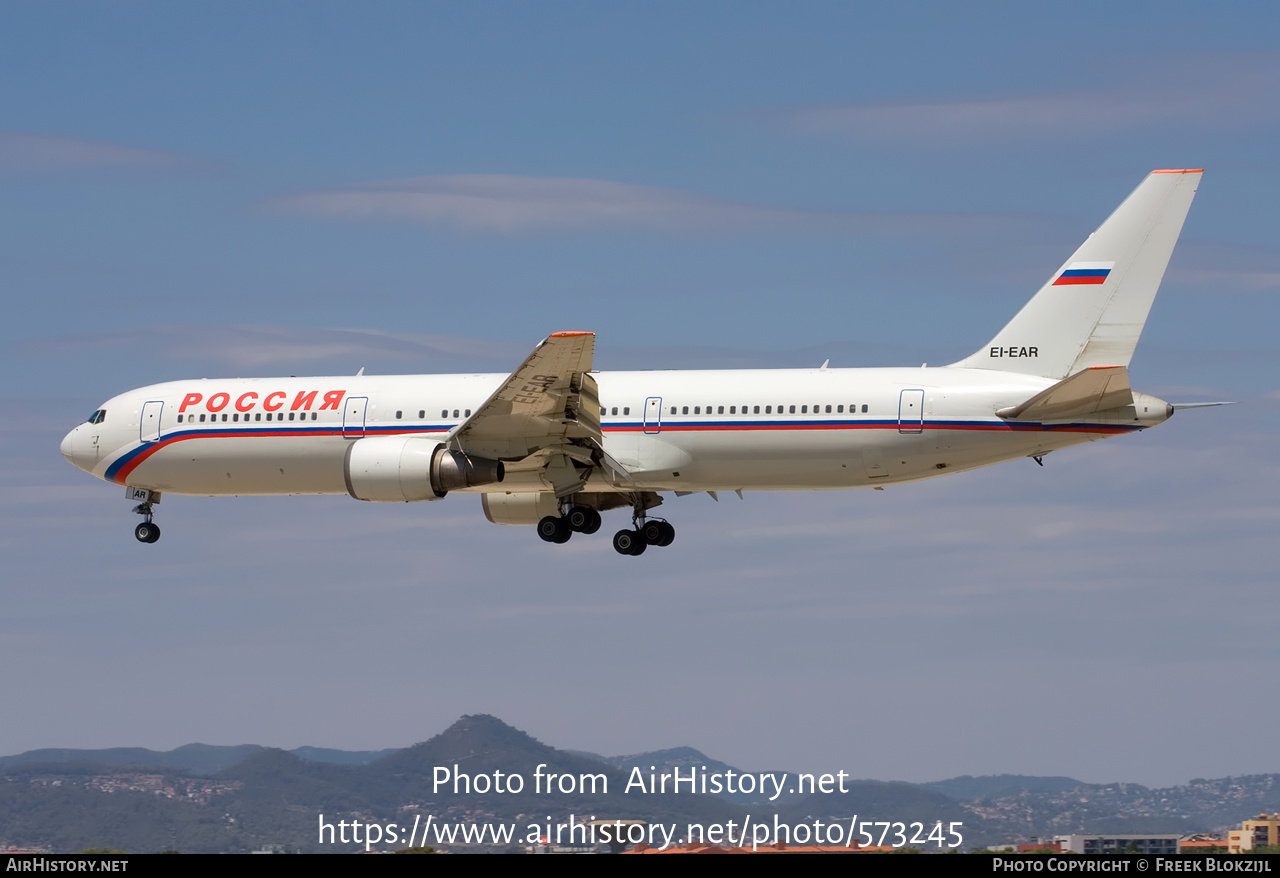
<point>190,190</point>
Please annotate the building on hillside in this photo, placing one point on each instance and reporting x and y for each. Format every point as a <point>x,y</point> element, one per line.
<point>1261,831</point>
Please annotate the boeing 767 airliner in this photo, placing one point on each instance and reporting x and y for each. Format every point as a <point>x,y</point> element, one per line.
<point>554,444</point>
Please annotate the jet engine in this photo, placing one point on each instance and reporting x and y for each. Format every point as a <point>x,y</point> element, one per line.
<point>519,509</point>
<point>400,469</point>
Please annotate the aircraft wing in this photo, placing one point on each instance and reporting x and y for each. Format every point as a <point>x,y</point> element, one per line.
<point>1095,389</point>
<point>549,403</point>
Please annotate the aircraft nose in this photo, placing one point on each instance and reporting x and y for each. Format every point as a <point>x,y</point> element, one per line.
<point>72,448</point>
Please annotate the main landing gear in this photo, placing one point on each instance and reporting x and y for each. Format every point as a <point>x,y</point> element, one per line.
<point>586,520</point>
<point>647,533</point>
<point>579,519</point>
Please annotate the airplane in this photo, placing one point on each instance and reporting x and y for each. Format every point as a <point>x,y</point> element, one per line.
<point>556,443</point>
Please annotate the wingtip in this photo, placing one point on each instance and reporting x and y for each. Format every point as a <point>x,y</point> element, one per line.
<point>1179,171</point>
<point>568,334</point>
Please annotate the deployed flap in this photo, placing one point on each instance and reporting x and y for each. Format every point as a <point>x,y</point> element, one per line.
<point>549,400</point>
<point>1096,389</point>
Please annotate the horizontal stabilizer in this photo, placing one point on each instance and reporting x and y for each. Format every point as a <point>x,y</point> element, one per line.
<point>1096,389</point>
<point>1198,405</point>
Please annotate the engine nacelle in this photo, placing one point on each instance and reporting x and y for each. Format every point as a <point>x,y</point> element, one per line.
<point>521,509</point>
<point>400,469</point>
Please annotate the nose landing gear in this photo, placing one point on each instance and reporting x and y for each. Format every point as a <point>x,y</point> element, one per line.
<point>148,531</point>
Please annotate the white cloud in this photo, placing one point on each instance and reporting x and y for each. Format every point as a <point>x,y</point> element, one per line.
<point>1230,90</point>
<point>1215,267</point>
<point>518,204</point>
<point>255,347</point>
<point>43,153</point>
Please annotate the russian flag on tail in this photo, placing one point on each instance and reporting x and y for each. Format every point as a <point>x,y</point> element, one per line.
<point>1084,273</point>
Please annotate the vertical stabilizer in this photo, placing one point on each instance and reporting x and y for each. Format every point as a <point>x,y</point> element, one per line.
<point>1092,310</point>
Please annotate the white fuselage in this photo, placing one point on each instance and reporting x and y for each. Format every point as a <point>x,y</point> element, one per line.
<point>795,429</point>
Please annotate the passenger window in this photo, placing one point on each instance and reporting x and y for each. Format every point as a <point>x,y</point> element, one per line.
<point>720,410</point>
<point>768,410</point>
<point>626,409</point>
<point>697,409</point>
<point>804,410</point>
<point>258,416</point>
<point>615,409</point>
<point>313,415</point>
<point>455,413</point>
<point>793,410</point>
<point>179,419</point>
<point>444,413</point>
<point>468,413</point>
<point>840,409</point>
<point>673,410</point>
<point>422,414</point>
<point>399,414</point>
<point>733,410</point>
<point>864,407</point>
<point>235,417</point>
<point>828,409</point>
<point>202,419</point>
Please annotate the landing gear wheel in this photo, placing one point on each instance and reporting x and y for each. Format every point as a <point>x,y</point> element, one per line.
<point>583,519</point>
<point>629,542</point>
<point>554,529</point>
<point>658,533</point>
<point>147,532</point>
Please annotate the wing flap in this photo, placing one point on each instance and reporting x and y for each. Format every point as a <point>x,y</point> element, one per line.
<point>1095,389</point>
<point>548,400</point>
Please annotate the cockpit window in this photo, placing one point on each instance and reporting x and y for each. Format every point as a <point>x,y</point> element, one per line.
<point>98,417</point>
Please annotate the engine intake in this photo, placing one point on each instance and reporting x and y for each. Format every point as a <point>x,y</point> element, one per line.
<point>402,469</point>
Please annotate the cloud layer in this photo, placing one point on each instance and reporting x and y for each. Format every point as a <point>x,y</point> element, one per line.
<point>519,204</point>
<point>255,347</point>
<point>43,154</point>
<point>1235,90</point>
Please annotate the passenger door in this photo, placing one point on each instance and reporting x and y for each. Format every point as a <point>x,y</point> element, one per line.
<point>149,427</point>
<point>353,410</point>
